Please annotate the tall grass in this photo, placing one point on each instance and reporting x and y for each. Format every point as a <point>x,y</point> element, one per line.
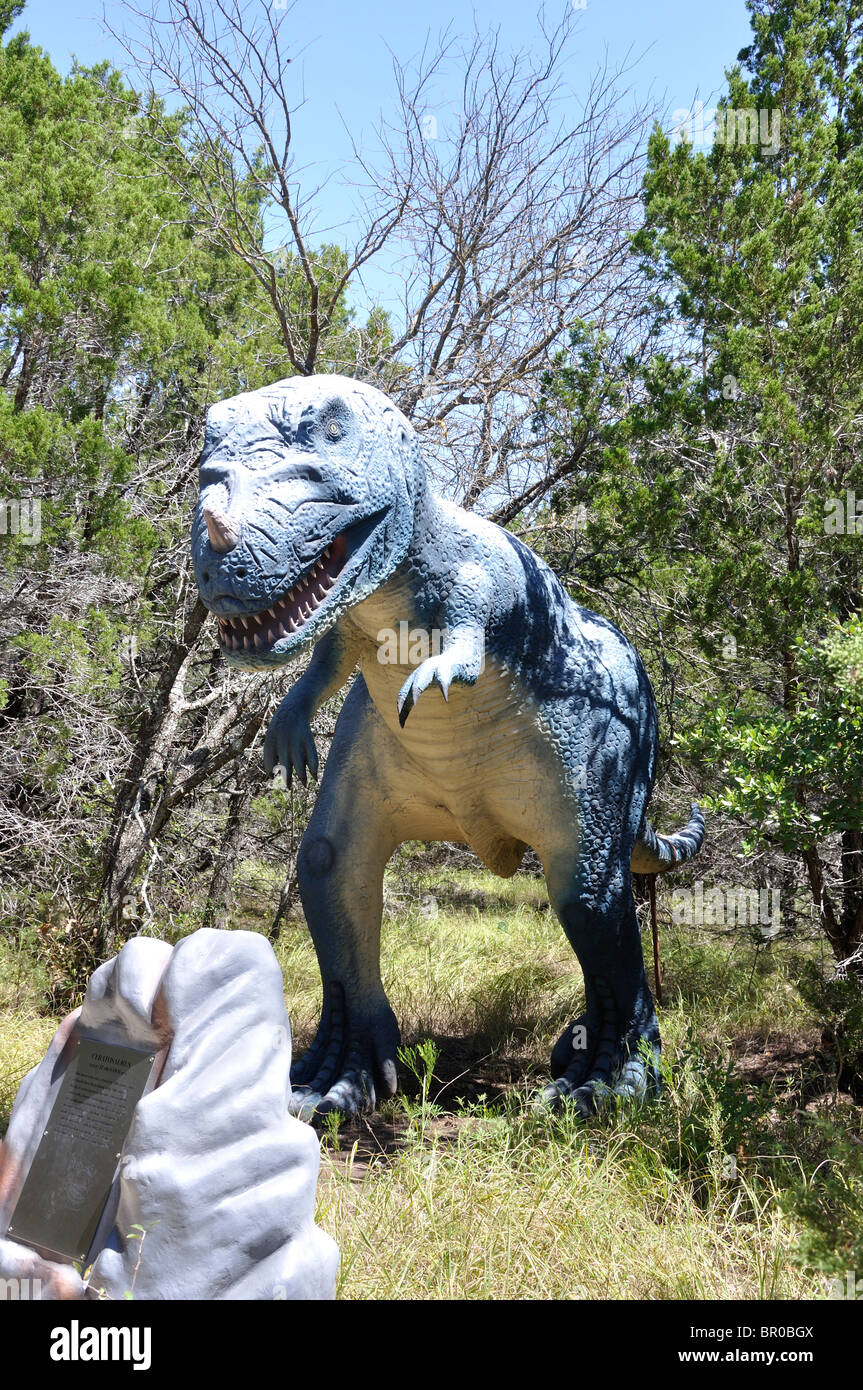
<point>742,1181</point>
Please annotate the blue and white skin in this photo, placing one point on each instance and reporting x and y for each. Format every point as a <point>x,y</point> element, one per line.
<point>532,724</point>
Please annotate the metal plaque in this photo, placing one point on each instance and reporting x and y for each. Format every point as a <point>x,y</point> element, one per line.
<point>74,1167</point>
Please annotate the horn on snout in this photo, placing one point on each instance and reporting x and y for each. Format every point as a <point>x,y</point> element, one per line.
<point>223,530</point>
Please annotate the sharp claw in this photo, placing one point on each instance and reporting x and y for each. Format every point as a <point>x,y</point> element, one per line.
<point>304,1103</point>
<point>561,1093</point>
<point>549,1098</point>
<point>405,706</point>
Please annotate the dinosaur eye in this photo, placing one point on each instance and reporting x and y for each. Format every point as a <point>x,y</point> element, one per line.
<point>333,429</point>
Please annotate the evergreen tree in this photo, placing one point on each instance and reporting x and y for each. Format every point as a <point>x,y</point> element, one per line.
<point>727,478</point>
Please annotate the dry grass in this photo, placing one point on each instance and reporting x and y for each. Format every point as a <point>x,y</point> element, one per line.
<point>740,1183</point>
<point>514,1207</point>
<point>25,1031</point>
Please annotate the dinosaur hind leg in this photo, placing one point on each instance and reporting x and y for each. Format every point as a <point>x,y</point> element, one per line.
<point>613,1048</point>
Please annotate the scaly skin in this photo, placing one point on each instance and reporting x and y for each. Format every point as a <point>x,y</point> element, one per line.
<point>532,723</point>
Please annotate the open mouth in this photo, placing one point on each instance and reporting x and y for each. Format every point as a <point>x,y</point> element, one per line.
<point>256,632</point>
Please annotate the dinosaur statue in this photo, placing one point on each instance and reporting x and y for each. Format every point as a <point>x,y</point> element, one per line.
<point>315,524</point>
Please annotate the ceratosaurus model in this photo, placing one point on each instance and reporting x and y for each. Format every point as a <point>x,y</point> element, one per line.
<point>315,525</point>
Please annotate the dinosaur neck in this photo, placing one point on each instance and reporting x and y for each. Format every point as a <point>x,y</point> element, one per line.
<point>415,591</point>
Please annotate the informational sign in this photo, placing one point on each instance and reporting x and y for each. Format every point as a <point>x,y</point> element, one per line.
<point>75,1165</point>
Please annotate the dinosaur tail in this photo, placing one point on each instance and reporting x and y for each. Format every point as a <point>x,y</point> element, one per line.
<point>653,853</point>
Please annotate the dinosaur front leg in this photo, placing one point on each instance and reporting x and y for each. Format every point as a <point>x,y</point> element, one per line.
<point>463,619</point>
<point>289,743</point>
<point>613,1049</point>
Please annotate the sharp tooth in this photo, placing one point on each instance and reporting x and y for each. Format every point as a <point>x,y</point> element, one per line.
<point>244,621</point>
<point>283,631</point>
<point>245,644</point>
<point>272,635</point>
<point>272,612</point>
<point>320,591</point>
<point>259,640</point>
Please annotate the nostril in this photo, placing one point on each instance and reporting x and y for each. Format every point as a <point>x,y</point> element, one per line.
<point>241,574</point>
<point>206,574</point>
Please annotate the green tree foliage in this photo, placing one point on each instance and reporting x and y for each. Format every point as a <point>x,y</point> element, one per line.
<point>726,482</point>
<point>121,320</point>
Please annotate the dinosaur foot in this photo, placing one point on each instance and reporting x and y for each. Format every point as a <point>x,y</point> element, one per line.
<point>598,1059</point>
<point>350,1066</point>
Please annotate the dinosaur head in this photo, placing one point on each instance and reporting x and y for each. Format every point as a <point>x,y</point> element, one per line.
<point>308,495</point>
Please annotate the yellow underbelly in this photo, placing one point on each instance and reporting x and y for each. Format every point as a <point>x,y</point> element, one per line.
<point>480,763</point>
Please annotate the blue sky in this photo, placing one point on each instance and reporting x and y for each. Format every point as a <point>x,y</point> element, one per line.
<point>681,50</point>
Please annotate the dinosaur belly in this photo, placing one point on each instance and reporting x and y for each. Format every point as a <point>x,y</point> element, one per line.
<point>480,762</point>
